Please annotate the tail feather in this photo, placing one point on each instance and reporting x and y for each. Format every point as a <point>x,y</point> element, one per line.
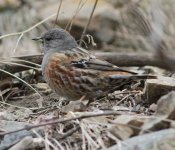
<point>133,77</point>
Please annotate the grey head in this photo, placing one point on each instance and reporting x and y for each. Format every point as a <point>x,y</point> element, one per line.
<point>56,40</point>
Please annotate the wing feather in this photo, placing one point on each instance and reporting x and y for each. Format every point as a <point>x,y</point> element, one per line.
<point>97,64</point>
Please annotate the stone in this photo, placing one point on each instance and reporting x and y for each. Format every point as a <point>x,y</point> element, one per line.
<point>155,88</point>
<point>160,140</point>
<point>165,111</point>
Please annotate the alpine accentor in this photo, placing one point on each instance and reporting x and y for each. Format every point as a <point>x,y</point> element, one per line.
<point>73,72</point>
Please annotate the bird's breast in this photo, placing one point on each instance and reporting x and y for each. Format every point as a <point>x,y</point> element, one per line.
<point>66,80</point>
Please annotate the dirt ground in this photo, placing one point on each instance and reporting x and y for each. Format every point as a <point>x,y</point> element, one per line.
<point>138,35</point>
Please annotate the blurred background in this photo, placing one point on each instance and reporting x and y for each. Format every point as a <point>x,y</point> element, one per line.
<point>113,25</point>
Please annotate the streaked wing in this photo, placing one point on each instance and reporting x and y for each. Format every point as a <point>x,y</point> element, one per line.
<point>97,64</point>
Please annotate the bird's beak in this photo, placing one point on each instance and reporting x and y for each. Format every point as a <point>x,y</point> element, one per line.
<point>37,39</point>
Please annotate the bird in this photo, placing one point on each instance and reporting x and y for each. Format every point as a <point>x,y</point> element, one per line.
<point>73,72</point>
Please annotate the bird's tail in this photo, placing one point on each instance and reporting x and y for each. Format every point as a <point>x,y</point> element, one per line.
<point>120,80</point>
<point>133,77</point>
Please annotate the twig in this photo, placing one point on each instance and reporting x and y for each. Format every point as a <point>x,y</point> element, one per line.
<point>1,70</point>
<point>89,21</point>
<point>69,133</point>
<point>18,64</point>
<point>123,99</point>
<point>4,103</point>
<point>79,7</point>
<point>17,43</point>
<point>63,120</point>
<point>59,8</point>
<point>29,29</point>
<point>25,31</point>
<point>72,19</point>
<point>30,61</point>
<point>13,59</point>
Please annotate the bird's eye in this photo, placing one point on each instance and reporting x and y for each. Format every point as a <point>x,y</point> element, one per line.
<point>48,39</point>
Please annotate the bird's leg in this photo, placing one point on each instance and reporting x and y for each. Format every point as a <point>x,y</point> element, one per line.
<point>90,101</point>
<point>86,102</point>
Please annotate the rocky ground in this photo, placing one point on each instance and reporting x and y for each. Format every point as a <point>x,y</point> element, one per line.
<point>139,34</point>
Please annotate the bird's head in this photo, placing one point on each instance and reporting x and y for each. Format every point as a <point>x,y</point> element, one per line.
<point>56,40</point>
